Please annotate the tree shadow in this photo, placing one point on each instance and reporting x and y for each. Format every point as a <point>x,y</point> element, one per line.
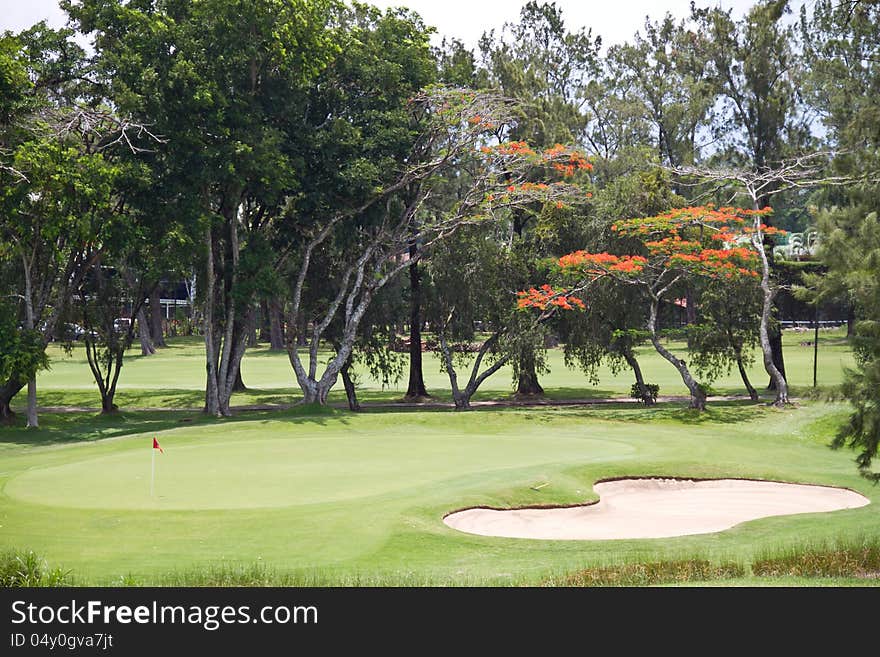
<point>81,427</point>
<point>717,412</point>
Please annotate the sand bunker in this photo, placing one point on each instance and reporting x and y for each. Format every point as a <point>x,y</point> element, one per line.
<point>658,508</point>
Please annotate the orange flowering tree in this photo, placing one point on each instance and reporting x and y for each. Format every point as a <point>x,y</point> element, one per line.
<point>472,274</point>
<point>460,145</point>
<point>667,250</point>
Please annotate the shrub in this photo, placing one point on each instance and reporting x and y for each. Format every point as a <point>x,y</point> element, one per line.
<point>707,389</point>
<point>652,388</point>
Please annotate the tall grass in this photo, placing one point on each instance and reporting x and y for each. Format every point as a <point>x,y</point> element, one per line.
<point>259,575</point>
<point>25,568</point>
<point>842,559</point>
<point>853,559</point>
<point>651,573</point>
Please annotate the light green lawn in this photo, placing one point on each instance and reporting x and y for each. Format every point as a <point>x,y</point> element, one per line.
<point>337,495</point>
<point>174,377</point>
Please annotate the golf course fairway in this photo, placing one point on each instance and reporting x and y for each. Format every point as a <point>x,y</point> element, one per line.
<point>340,494</point>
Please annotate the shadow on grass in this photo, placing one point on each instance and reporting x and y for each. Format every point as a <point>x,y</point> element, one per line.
<point>550,394</point>
<point>68,428</point>
<point>82,426</point>
<point>718,412</point>
<point>78,427</point>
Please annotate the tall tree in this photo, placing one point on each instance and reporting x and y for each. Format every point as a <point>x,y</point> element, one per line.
<point>60,197</point>
<point>674,246</point>
<point>758,72</point>
<point>547,68</point>
<point>363,132</point>
<point>728,330</point>
<point>456,68</point>
<point>842,45</point>
<point>614,323</point>
<point>667,70</point>
<point>455,125</point>
<point>220,79</point>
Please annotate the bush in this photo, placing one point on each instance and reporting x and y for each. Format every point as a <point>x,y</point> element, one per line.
<point>708,390</point>
<point>25,568</point>
<point>652,388</point>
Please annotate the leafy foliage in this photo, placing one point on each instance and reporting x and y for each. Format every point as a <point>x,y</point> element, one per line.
<point>22,351</point>
<point>652,390</point>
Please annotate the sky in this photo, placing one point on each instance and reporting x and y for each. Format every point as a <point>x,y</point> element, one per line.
<point>615,21</point>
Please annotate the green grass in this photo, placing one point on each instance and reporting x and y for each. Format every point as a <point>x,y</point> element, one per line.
<point>334,497</point>
<point>174,378</point>
<point>312,496</point>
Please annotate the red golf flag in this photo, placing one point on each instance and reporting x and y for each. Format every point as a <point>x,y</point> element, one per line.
<point>156,445</point>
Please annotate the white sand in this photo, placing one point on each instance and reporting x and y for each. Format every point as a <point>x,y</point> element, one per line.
<point>658,508</point>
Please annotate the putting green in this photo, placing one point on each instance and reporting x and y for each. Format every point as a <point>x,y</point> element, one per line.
<point>281,465</point>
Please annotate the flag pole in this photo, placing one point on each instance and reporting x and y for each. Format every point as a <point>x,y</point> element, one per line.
<point>152,470</point>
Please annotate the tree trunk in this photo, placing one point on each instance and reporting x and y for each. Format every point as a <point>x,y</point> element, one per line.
<point>462,397</point>
<point>230,344</point>
<point>775,336</point>
<point>776,375</point>
<point>690,311</point>
<point>6,414</point>
<point>276,334</point>
<point>753,394</point>
<point>7,391</point>
<point>630,358</point>
<point>462,401</point>
<point>30,324</point>
<point>851,322</point>
<point>301,332</point>
<point>350,391</point>
<point>239,385</point>
<point>252,332</point>
<point>147,348</point>
<point>736,344</point>
<point>315,393</point>
<point>212,399</point>
<point>32,420</point>
<point>107,396</point>
<point>416,388</point>
<point>698,396</point>
<point>156,319</point>
<point>527,382</point>
<point>107,405</point>
<point>264,321</point>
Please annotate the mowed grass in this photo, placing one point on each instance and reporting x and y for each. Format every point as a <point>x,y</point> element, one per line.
<point>328,497</point>
<point>174,377</point>
<point>334,497</point>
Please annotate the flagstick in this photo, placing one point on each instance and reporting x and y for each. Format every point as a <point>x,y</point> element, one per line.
<point>152,470</point>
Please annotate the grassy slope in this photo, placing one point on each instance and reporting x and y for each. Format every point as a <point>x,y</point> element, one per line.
<point>175,376</point>
<point>338,497</point>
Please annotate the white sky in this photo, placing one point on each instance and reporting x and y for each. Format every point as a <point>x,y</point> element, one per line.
<point>615,20</point>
